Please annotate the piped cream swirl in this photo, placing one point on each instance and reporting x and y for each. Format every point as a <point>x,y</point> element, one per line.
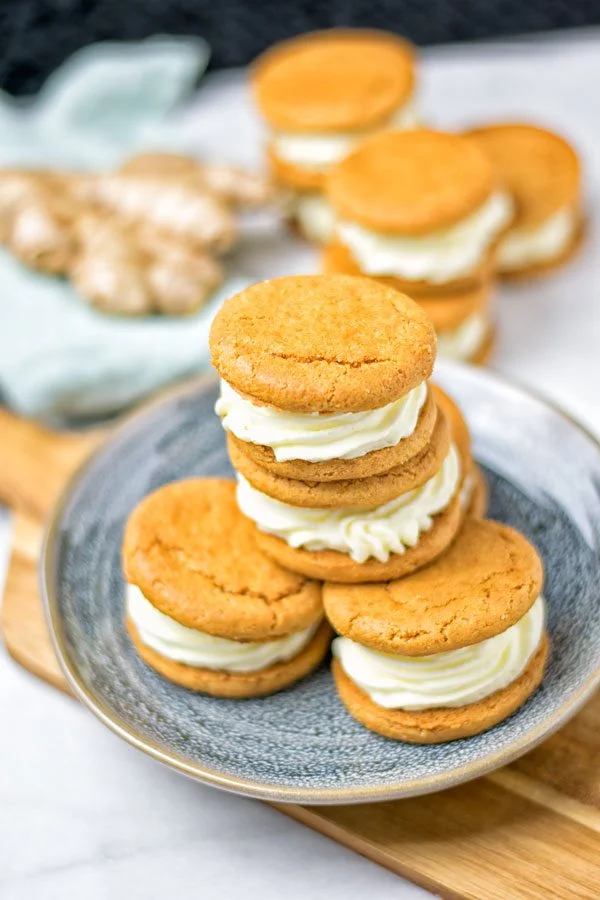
<point>315,437</point>
<point>451,679</point>
<point>196,648</point>
<point>361,533</point>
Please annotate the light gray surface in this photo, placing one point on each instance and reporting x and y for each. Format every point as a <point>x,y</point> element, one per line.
<point>81,814</point>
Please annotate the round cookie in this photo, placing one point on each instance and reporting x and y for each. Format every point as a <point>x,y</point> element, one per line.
<point>178,550</point>
<point>337,259</point>
<point>412,182</point>
<point>435,726</point>
<point>539,168</point>
<point>485,582</point>
<point>239,685</point>
<point>322,343</point>
<point>337,80</point>
<point>330,565</point>
<point>373,490</point>
<point>374,463</point>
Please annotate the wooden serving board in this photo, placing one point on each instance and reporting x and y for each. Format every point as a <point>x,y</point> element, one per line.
<point>530,830</point>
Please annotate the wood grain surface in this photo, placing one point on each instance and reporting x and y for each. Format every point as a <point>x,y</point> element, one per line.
<point>528,831</point>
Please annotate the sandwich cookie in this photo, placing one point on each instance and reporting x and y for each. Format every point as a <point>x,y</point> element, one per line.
<point>204,607</point>
<point>449,651</point>
<point>542,173</point>
<point>322,93</point>
<point>373,542</point>
<point>422,207</point>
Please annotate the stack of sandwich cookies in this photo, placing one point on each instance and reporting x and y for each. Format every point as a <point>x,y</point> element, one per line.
<point>542,173</point>
<point>204,607</point>
<point>320,95</point>
<point>449,651</point>
<point>347,460</point>
<point>422,212</point>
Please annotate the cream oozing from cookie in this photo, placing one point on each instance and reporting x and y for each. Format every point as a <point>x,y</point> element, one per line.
<point>315,216</point>
<point>526,246</point>
<point>316,437</point>
<point>437,257</point>
<point>449,679</point>
<point>320,151</point>
<point>463,342</point>
<point>361,533</point>
<point>201,650</point>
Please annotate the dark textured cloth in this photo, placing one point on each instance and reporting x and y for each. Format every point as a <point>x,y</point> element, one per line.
<point>37,35</point>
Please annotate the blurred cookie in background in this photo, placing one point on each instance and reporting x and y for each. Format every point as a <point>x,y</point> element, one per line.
<point>320,95</point>
<point>542,173</point>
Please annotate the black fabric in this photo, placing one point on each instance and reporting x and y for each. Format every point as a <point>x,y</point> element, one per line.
<point>37,35</point>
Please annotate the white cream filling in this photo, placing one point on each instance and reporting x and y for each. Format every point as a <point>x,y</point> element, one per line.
<point>450,679</point>
<point>315,216</point>
<point>524,246</point>
<point>196,648</point>
<point>320,151</point>
<point>316,437</point>
<point>361,533</point>
<point>463,342</point>
<point>437,257</point>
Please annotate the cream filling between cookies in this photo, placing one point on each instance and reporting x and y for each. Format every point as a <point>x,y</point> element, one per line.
<point>463,342</point>
<point>315,216</point>
<point>450,679</point>
<point>316,437</point>
<point>320,151</point>
<point>438,257</point>
<point>525,246</point>
<point>205,651</point>
<point>363,534</point>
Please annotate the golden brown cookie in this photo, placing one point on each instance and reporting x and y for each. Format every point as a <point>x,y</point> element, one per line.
<point>374,463</point>
<point>485,582</point>
<point>337,80</point>
<point>239,685</point>
<point>337,259</point>
<point>322,343</point>
<point>194,557</point>
<point>411,182</point>
<point>539,168</point>
<point>434,726</point>
<point>330,565</point>
<point>371,491</point>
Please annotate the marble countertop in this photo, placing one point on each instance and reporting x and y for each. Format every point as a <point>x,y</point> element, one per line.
<point>83,814</point>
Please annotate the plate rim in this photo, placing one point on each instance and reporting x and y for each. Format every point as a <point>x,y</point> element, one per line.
<point>250,787</point>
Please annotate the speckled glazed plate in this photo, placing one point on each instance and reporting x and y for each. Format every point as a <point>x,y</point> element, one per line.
<point>301,745</point>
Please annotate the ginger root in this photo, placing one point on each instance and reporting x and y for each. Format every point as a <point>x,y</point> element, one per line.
<point>136,241</point>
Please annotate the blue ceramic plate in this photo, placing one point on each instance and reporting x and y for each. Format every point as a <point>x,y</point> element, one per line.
<point>301,745</point>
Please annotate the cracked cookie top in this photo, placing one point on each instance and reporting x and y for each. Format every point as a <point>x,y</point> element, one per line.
<point>485,582</point>
<point>322,343</point>
<point>193,555</point>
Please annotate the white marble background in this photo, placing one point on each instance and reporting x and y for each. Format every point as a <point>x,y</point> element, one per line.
<point>84,815</point>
